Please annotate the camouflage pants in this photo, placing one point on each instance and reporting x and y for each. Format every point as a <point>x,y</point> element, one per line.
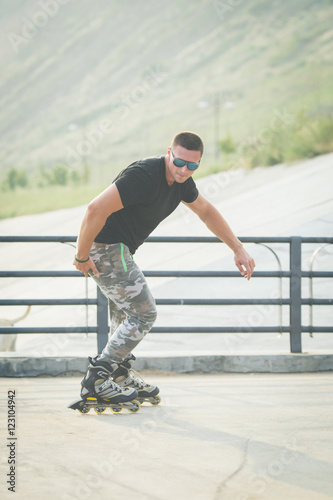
<point>132,307</point>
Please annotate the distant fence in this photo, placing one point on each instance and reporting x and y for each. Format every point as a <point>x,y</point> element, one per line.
<point>295,274</point>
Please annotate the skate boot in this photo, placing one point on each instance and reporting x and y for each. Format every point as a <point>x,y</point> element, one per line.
<point>99,391</point>
<point>125,376</point>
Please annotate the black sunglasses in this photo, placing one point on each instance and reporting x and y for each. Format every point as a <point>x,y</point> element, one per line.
<point>180,163</point>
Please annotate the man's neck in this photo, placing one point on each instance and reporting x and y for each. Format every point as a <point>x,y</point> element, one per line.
<point>168,177</point>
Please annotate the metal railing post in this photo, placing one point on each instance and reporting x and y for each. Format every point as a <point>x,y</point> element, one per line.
<point>296,294</point>
<point>102,321</point>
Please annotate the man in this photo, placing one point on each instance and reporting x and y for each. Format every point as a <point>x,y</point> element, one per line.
<point>114,225</point>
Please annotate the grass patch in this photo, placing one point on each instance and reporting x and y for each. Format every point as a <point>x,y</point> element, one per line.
<point>38,200</point>
<point>305,137</point>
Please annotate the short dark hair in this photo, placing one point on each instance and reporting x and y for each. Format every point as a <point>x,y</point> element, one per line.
<point>188,140</point>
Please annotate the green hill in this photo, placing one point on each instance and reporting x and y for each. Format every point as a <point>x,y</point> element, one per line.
<point>107,82</point>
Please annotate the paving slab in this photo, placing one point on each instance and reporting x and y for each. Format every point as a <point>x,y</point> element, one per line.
<point>214,436</point>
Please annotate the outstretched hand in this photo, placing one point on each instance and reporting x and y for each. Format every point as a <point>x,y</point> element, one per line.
<point>85,267</point>
<point>244,262</point>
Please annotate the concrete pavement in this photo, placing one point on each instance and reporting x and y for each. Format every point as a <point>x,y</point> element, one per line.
<point>214,436</point>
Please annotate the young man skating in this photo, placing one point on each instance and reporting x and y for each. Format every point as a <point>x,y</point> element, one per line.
<point>114,225</point>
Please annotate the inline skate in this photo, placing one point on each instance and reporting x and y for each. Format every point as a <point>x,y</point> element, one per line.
<point>126,377</point>
<point>99,391</point>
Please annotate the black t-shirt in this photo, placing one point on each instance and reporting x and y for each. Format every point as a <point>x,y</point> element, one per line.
<point>147,199</point>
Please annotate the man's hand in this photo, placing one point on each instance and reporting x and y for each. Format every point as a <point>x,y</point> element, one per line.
<point>85,267</point>
<point>244,262</point>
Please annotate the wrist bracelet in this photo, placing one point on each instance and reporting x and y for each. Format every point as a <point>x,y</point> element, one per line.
<point>79,260</point>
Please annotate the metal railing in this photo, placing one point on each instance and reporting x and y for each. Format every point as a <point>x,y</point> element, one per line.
<point>294,301</point>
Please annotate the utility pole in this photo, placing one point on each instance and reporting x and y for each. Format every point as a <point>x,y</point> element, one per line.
<point>217,124</point>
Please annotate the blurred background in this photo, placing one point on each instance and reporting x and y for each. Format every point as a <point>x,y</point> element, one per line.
<point>89,87</point>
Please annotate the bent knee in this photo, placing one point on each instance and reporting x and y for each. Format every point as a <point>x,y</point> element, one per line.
<point>145,319</point>
<point>149,316</point>
<point>152,316</point>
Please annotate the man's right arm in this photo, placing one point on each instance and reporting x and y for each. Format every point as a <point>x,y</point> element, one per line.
<point>97,212</point>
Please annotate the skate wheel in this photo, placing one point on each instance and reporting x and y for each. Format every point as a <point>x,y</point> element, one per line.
<point>100,409</point>
<point>116,409</point>
<point>155,400</point>
<point>135,408</point>
<point>84,409</point>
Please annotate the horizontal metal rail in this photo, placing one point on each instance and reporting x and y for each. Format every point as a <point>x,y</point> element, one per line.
<point>48,302</point>
<point>148,274</point>
<point>168,302</point>
<point>171,239</point>
<point>171,274</point>
<point>172,329</point>
<point>238,329</point>
<point>48,329</point>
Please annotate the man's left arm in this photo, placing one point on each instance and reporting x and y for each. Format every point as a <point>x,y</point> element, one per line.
<point>219,226</point>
